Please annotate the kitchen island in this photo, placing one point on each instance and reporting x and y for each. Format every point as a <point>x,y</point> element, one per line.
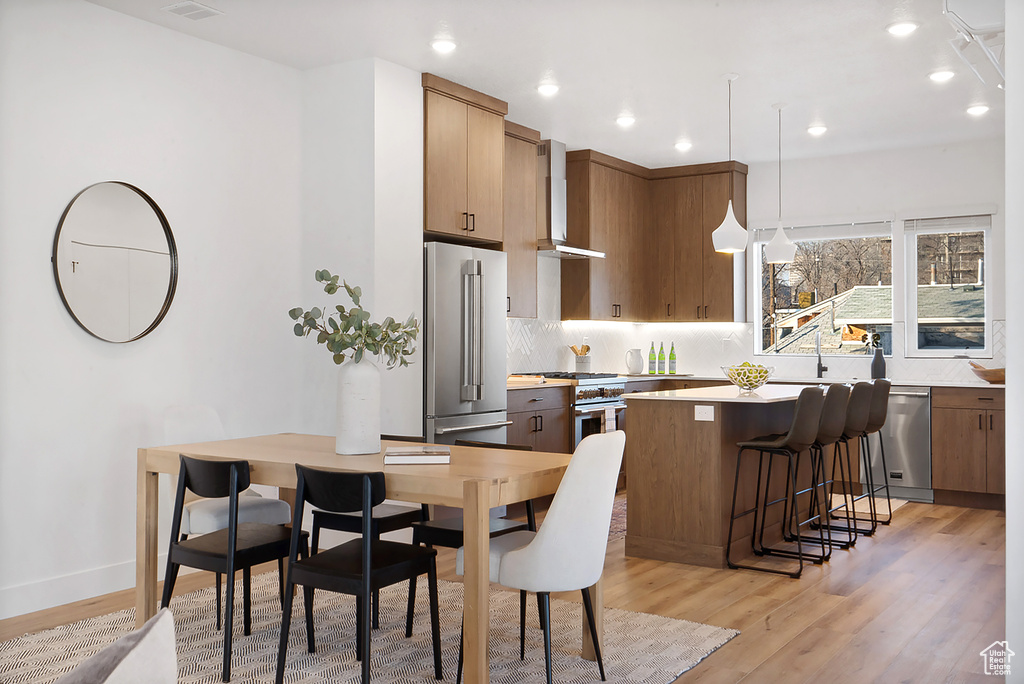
<point>681,451</point>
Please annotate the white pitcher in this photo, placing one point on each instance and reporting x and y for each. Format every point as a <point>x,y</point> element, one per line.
<point>635,361</point>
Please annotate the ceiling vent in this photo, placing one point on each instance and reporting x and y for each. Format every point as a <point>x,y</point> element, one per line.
<point>192,10</point>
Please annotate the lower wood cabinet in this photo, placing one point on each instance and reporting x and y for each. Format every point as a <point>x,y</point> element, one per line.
<point>540,418</point>
<point>968,440</point>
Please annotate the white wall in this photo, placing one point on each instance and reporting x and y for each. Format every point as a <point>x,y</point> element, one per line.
<point>213,136</point>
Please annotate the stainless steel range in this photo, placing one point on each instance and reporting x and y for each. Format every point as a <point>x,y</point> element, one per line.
<point>597,402</point>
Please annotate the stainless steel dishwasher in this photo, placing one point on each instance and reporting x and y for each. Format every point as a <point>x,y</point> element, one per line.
<point>908,445</point>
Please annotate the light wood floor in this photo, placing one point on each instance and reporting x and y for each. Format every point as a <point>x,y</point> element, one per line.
<point>916,603</point>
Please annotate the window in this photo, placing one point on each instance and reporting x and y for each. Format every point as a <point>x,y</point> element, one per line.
<point>836,293</point>
<point>947,310</point>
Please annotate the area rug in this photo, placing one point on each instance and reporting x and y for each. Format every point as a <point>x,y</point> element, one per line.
<point>638,647</point>
<point>618,527</point>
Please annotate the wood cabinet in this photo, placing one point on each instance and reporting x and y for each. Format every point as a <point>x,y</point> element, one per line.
<point>520,218</point>
<point>463,156</point>
<point>655,227</point>
<point>540,418</point>
<point>968,440</point>
<point>606,211</point>
<point>687,279</point>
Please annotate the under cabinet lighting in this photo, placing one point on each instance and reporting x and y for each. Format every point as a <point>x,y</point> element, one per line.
<point>443,45</point>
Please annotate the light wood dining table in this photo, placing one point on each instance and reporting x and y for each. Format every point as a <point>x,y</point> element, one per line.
<point>476,480</point>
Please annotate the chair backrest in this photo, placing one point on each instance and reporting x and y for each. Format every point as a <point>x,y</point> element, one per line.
<point>833,414</point>
<point>569,549</point>
<point>879,408</point>
<point>806,417</point>
<point>858,409</point>
<point>212,479</point>
<point>493,445</point>
<point>335,491</point>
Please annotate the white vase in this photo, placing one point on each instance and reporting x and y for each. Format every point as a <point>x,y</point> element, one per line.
<point>358,426</point>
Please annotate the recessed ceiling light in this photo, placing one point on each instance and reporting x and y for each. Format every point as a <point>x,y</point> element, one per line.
<point>684,145</point>
<point>547,89</point>
<point>977,110</point>
<point>817,129</point>
<point>443,45</point>
<point>901,28</point>
<point>940,76</point>
<point>626,120</point>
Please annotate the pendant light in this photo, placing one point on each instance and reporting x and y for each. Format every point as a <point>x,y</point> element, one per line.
<point>730,237</point>
<point>781,249</point>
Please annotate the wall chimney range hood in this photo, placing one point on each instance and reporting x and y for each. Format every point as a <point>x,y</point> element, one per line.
<point>551,177</point>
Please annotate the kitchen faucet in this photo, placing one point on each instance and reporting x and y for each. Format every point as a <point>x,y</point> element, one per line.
<point>817,348</point>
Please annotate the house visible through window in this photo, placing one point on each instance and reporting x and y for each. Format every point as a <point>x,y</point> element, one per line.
<point>946,304</point>
<point>837,291</point>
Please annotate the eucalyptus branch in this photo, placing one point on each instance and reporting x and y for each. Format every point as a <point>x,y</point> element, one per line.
<point>349,332</point>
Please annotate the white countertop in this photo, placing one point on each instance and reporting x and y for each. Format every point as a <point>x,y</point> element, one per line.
<point>767,394</point>
<point>822,381</point>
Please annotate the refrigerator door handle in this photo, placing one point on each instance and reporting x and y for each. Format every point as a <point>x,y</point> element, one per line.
<point>472,329</point>
<point>468,428</point>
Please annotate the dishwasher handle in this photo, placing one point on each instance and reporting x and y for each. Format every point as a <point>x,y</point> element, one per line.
<point>922,395</point>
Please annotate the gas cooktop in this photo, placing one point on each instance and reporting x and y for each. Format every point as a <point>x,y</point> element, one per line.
<point>570,375</point>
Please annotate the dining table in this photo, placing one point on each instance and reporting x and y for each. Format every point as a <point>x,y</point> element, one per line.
<point>476,479</point>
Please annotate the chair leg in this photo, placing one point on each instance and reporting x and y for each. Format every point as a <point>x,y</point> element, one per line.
<point>286,621</point>
<point>376,609</point>
<point>885,480</point>
<point>435,618</point>
<point>314,536</point>
<point>522,625</point>
<point>280,579</point>
<point>218,601</point>
<point>229,604</point>
<point>170,577</point>
<point>588,606</point>
<point>462,638</point>
<point>247,601</point>
<point>366,630</point>
<point>545,604</point>
<point>411,608</point>
<point>307,597</point>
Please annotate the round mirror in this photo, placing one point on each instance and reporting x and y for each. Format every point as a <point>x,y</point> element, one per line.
<point>115,262</point>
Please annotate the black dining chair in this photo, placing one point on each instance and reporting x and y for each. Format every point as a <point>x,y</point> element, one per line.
<point>386,517</point>
<point>357,567</point>
<point>239,546</point>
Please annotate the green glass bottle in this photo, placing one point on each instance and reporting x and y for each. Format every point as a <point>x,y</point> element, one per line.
<point>661,359</point>
<point>652,360</point>
<point>672,359</point>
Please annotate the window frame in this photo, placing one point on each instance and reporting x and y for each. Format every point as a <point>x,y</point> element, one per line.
<point>912,227</point>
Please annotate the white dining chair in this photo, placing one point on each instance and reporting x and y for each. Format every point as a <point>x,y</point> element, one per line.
<point>189,423</point>
<point>567,552</point>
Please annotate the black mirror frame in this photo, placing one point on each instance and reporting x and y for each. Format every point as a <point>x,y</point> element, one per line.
<point>172,249</point>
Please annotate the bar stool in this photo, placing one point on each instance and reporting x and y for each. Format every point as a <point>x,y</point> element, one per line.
<point>830,429</point>
<point>877,414</point>
<point>801,436</point>
<point>857,412</point>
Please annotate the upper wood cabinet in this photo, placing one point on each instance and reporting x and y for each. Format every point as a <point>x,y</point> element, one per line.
<point>520,218</point>
<point>689,280</point>
<point>463,159</point>
<point>655,227</point>
<point>606,211</point>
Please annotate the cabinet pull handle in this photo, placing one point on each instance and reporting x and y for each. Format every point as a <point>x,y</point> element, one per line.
<point>705,311</point>
<point>532,423</point>
<point>990,421</point>
<point>979,422</point>
<point>669,309</point>
<point>508,304</point>
<point>540,421</point>
<point>473,229</point>
<point>537,399</point>
<point>986,399</point>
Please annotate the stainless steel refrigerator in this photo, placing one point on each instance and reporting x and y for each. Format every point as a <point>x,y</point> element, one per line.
<point>464,343</point>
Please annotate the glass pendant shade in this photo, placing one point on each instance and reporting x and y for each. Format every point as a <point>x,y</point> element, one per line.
<point>781,250</point>
<point>730,237</point>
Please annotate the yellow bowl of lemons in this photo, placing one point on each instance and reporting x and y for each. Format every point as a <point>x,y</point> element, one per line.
<point>748,376</point>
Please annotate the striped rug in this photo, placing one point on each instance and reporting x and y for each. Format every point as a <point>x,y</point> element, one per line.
<point>638,647</point>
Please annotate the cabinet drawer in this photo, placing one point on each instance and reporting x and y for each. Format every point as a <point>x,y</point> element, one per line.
<point>968,397</point>
<point>538,398</point>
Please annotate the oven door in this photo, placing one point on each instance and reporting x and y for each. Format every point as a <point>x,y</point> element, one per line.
<point>595,419</point>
